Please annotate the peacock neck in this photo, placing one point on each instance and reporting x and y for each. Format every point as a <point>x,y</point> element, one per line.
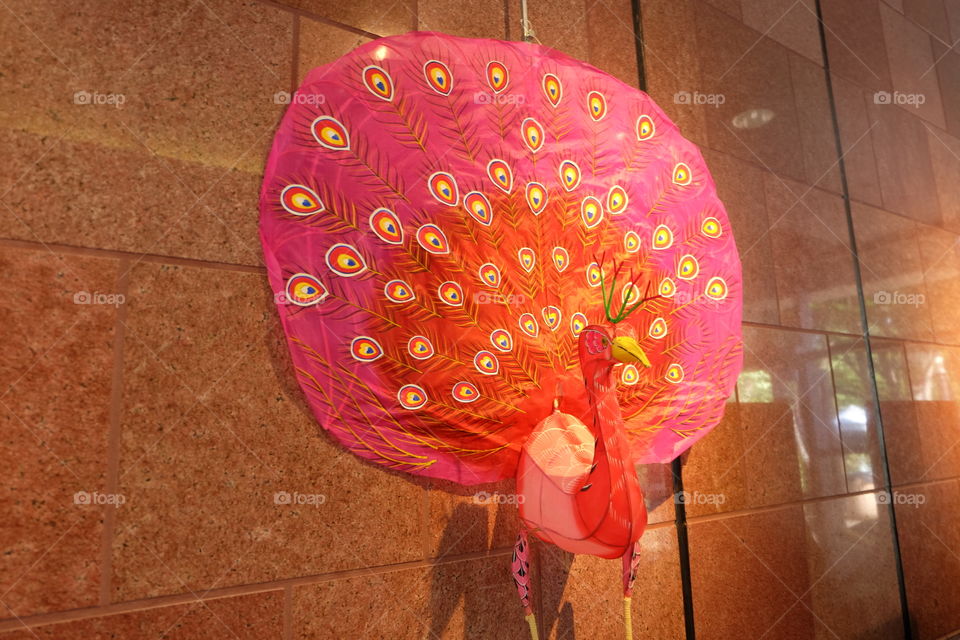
<point>607,419</point>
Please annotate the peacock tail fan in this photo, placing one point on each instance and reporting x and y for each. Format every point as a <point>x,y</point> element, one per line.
<point>437,217</point>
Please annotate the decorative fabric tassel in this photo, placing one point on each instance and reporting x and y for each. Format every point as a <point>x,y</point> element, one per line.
<point>521,577</point>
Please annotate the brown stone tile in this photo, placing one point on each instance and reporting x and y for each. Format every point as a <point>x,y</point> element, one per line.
<point>740,187</point>
<point>750,73</point>
<point>948,73</point>
<point>791,23</point>
<point>656,482</point>
<point>469,519</point>
<point>945,158</point>
<point>824,569</point>
<point>809,235</point>
<point>55,381</point>
<point>731,7</point>
<point>214,425</point>
<point>612,40</point>
<point>931,15</point>
<point>856,411</point>
<point>856,129</point>
<point>817,140</point>
<point>929,536</point>
<point>90,195</point>
<point>559,24</point>
<point>250,617</point>
<point>892,272</point>
<point>219,113</point>
<point>855,44</point>
<point>901,430</point>
<point>912,65</point>
<point>935,381</point>
<point>484,19</point>
<point>473,598</point>
<point>321,44</point>
<point>672,64</point>
<point>784,442</point>
<point>582,596</point>
<point>903,163</point>
<point>379,18</point>
<point>940,252</point>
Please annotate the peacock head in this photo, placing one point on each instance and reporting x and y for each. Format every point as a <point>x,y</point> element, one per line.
<point>597,345</point>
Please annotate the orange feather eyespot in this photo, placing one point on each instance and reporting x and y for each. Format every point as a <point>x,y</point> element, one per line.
<point>450,293</point>
<point>536,197</point>
<point>438,77</point>
<point>711,227</point>
<point>594,274</point>
<point>465,392</point>
<point>552,317</point>
<point>561,259</point>
<point>301,200</point>
<point>645,128</point>
<point>528,259</point>
<point>497,76</point>
<point>662,237</point>
<point>716,288</point>
<point>500,174</point>
<point>629,375</point>
<point>330,133</point>
<point>398,291</point>
<point>420,348</point>
<point>674,374</point>
<point>596,105</point>
<point>345,261</point>
<point>617,200</point>
<point>501,340</point>
<point>305,290</point>
<point>631,242</point>
<point>486,363</point>
<point>591,212</point>
<point>443,187</point>
<point>532,134</point>
<point>667,288</point>
<point>378,82</point>
<point>478,207</point>
<point>658,328</point>
<point>552,88</point>
<point>578,322</point>
<point>682,175</point>
<point>688,268</point>
<point>489,275</point>
<point>432,239</point>
<point>569,175</point>
<point>411,396</point>
<point>528,324</point>
<point>386,225</point>
<point>365,349</point>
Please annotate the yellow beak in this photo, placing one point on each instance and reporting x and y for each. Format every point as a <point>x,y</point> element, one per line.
<point>626,349</point>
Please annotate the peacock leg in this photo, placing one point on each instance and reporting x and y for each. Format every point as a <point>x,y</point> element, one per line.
<point>630,560</point>
<point>521,577</point>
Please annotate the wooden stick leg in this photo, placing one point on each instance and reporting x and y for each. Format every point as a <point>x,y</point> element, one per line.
<point>521,577</point>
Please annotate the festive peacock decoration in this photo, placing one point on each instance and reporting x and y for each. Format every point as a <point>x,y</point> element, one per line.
<point>494,261</point>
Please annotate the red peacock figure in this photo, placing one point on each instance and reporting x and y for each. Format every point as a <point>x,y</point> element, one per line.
<point>495,261</point>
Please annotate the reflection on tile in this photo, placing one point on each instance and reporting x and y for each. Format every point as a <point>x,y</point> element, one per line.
<point>55,373</point>
<point>824,569</point>
<point>671,62</point>
<point>945,158</point>
<point>948,72</point>
<point>485,19</point>
<point>250,617</point>
<point>911,65</point>
<point>474,598</point>
<point>790,23</point>
<point>892,271</point>
<point>903,162</point>
<point>469,519</point>
<point>382,19</point>
<point>931,15</point>
<point>901,430</point>
<point>935,378</point>
<point>787,444</point>
<point>855,45</point>
<point>740,187</point>
<point>928,523</point>
<point>856,130</point>
<point>940,252</point>
<point>582,596</point>
<point>816,124</point>
<point>322,44</point>
<point>214,426</point>
<point>809,234</point>
<point>862,454</point>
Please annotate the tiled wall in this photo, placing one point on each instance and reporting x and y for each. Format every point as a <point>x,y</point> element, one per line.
<point>169,384</point>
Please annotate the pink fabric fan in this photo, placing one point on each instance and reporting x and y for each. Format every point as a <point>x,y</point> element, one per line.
<point>495,261</point>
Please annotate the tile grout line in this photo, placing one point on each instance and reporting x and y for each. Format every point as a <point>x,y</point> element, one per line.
<point>288,612</point>
<point>114,435</point>
<point>864,319</point>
